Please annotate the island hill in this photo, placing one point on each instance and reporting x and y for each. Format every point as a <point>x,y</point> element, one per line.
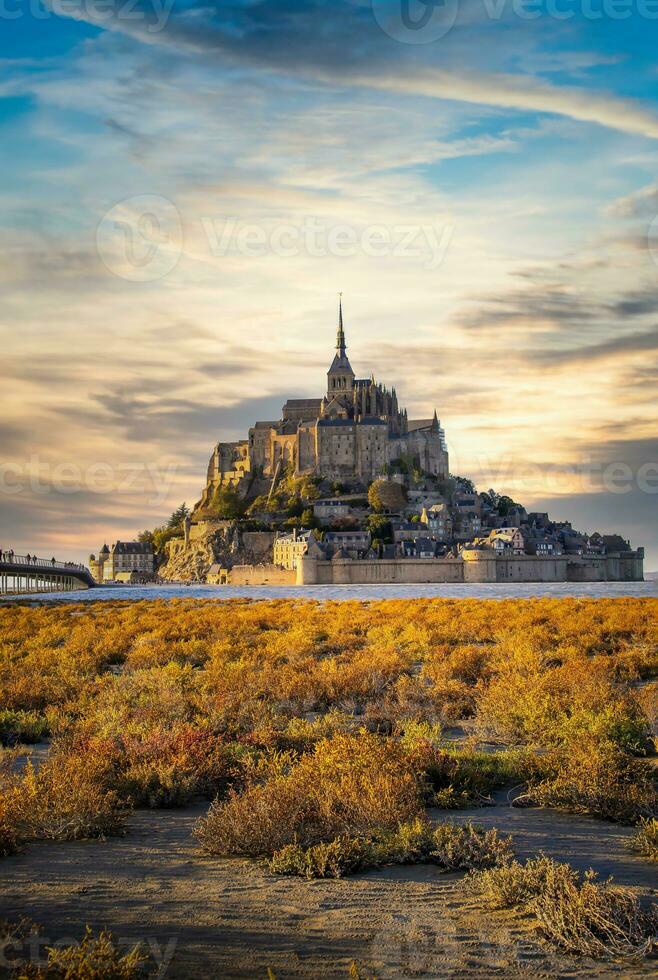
<point>346,489</point>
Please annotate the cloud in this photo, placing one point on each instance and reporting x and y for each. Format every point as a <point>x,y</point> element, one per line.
<point>642,203</point>
<point>622,345</point>
<point>316,43</point>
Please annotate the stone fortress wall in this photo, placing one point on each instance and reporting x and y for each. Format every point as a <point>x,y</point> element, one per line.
<point>475,567</point>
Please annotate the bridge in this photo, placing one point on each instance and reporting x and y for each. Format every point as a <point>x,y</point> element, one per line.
<point>24,574</point>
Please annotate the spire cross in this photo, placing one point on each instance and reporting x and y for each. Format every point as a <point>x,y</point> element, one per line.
<point>340,340</point>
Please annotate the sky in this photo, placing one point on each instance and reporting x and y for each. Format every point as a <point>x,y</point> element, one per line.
<point>186,187</point>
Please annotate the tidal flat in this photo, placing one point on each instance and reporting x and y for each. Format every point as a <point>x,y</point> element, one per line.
<point>320,789</point>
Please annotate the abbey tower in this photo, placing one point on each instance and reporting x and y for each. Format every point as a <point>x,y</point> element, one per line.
<point>352,433</point>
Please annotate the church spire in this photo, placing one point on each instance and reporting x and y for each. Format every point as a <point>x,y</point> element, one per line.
<point>340,339</point>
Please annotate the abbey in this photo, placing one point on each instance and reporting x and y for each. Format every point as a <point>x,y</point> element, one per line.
<point>351,433</point>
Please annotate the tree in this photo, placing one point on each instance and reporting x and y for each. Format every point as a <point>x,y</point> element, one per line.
<point>374,497</point>
<point>505,504</point>
<point>178,516</point>
<point>161,536</point>
<point>380,528</point>
<point>386,495</point>
<point>226,504</point>
<point>295,507</point>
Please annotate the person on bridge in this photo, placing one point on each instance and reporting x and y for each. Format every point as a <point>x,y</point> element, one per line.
<point>28,558</point>
<point>52,561</point>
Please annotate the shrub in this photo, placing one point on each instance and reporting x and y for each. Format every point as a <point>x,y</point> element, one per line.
<point>10,839</point>
<point>468,847</point>
<point>64,800</point>
<point>515,885</point>
<point>341,856</point>
<point>93,958</point>
<point>448,846</point>
<point>10,808</point>
<point>153,765</point>
<point>536,698</point>
<point>170,769</point>
<point>645,842</point>
<point>596,778</point>
<point>26,727</point>
<point>351,784</point>
<point>595,919</point>
<point>577,913</point>
<point>459,778</point>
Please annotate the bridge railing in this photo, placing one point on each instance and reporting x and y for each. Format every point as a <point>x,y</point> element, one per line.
<point>32,561</point>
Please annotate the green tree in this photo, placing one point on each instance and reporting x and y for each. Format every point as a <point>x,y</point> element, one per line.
<point>226,504</point>
<point>464,485</point>
<point>295,507</point>
<point>380,528</point>
<point>178,516</point>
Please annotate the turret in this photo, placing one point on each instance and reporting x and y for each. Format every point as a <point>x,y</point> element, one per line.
<point>340,376</point>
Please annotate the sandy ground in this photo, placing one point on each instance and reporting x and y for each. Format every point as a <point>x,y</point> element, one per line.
<point>204,917</point>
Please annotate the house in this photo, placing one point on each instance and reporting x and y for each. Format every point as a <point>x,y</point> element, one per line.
<point>438,521</point>
<point>408,531</point>
<point>289,548</point>
<point>331,509</point>
<point>425,548</point>
<point>543,545</point>
<point>506,540</point>
<point>353,543</point>
<point>124,558</point>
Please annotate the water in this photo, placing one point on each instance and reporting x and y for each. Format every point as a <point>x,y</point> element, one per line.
<point>527,590</point>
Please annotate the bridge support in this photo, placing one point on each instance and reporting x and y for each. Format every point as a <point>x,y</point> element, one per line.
<point>20,577</point>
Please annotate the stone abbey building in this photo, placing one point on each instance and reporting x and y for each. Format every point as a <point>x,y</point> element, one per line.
<point>351,433</point>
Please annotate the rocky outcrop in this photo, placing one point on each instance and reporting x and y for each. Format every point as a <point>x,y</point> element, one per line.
<point>210,543</point>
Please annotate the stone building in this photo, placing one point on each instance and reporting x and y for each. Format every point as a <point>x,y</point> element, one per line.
<point>288,548</point>
<point>126,560</point>
<point>352,432</point>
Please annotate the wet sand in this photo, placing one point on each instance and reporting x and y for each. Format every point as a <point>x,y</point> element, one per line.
<point>228,918</point>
